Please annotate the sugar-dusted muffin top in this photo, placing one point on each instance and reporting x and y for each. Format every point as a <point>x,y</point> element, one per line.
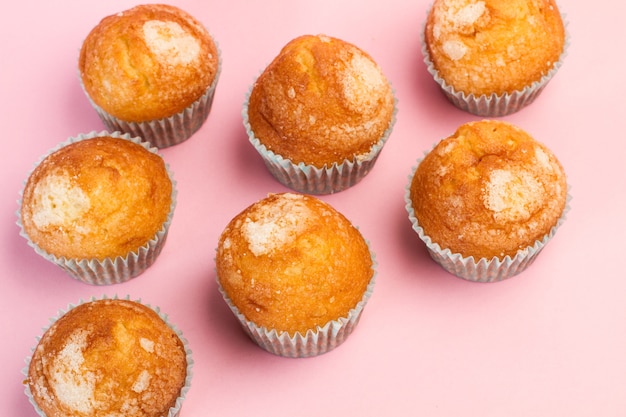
<point>96,198</point>
<point>291,262</point>
<point>148,62</point>
<point>320,101</point>
<point>108,358</point>
<point>494,46</point>
<point>488,190</point>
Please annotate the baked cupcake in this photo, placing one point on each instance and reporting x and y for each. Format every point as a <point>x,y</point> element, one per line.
<point>296,273</point>
<point>151,71</point>
<point>109,357</point>
<point>320,114</point>
<point>486,200</point>
<point>99,206</point>
<point>493,57</point>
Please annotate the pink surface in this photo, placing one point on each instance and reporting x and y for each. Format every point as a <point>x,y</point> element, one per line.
<point>549,342</point>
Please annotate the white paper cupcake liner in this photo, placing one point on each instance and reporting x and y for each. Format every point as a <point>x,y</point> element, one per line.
<point>493,105</point>
<point>168,131</point>
<point>173,411</point>
<point>309,179</point>
<point>316,341</point>
<point>110,270</point>
<point>481,270</point>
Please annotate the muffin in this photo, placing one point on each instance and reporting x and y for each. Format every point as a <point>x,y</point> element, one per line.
<point>99,206</point>
<point>296,273</point>
<point>486,200</point>
<point>493,57</point>
<point>320,114</point>
<point>109,357</point>
<point>151,71</point>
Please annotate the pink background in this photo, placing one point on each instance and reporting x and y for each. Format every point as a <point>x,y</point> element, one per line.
<point>549,342</point>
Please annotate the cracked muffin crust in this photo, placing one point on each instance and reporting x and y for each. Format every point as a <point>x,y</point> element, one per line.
<point>108,357</point>
<point>320,101</point>
<point>494,46</point>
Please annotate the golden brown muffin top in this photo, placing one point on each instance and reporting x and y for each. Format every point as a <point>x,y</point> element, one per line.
<point>488,190</point>
<point>148,62</point>
<point>320,101</point>
<point>105,358</point>
<point>96,198</point>
<point>291,262</point>
<point>494,46</point>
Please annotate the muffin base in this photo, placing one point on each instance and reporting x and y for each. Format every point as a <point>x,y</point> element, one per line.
<point>109,270</point>
<point>314,342</point>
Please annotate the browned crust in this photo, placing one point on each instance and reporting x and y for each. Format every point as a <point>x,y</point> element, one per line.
<point>488,190</point>
<point>125,356</point>
<point>320,101</point>
<point>96,198</point>
<point>318,275</point>
<point>128,80</point>
<point>511,45</point>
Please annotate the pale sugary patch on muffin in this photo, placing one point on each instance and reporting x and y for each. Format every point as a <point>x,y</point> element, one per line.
<point>363,83</point>
<point>147,344</point>
<point>58,202</point>
<point>458,17</point>
<point>142,382</point>
<point>516,195</point>
<point>512,196</point>
<point>271,227</point>
<point>72,386</point>
<point>170,42</point>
